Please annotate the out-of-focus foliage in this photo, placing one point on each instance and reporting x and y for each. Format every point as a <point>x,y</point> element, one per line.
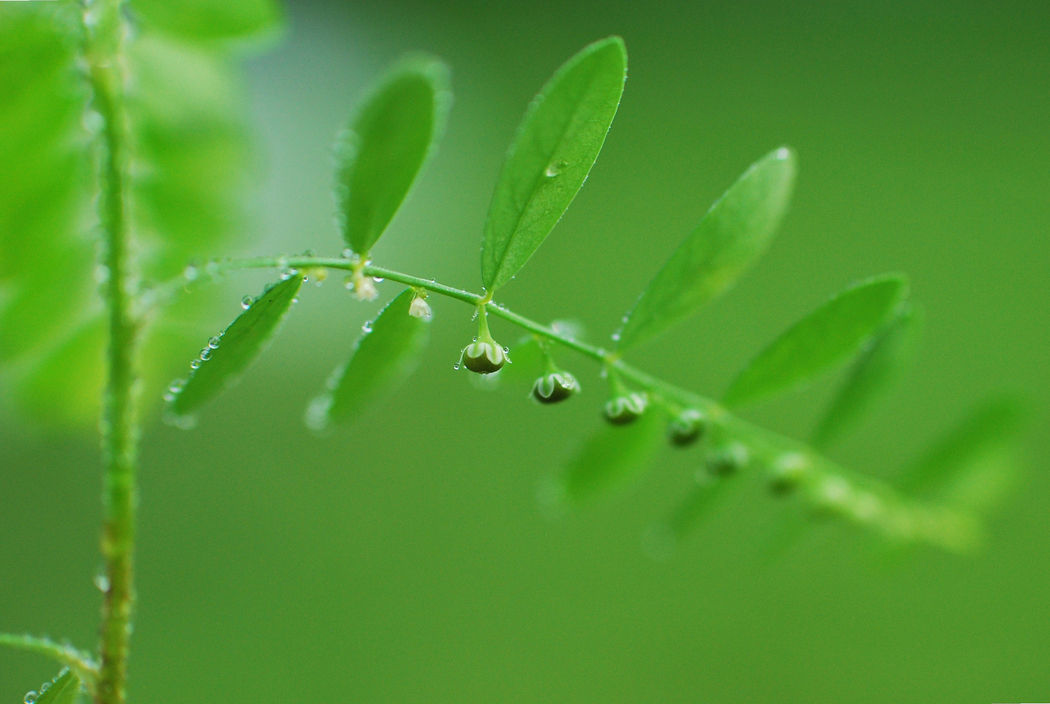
<point>190,165</point>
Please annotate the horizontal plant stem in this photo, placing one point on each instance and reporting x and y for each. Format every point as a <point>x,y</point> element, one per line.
<point>80,663</point>
<point>857,499</point>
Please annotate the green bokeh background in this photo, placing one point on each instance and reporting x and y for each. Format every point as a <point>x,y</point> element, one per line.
<point>405,559</point>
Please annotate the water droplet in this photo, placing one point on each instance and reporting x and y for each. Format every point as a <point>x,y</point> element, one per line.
<point>247,302</point>
<point>616,336</point>
<point>347,253</point>
<point>190,273</point>
<point>102,583</point>
<point>475,338</point>
<point>348,281</point>
<point>553,169</point>
<point>506,350</point>
<point>305,279</point>
<point>176,386</point>
<point>205,354</point>
<point>44,687</point>
<point>367,327</point>
<point>215,342</point>
<point>377,279</point>
<point>456,366</point>
<point>31,696</point>
<point>783,153</point>
<point>195,364</point>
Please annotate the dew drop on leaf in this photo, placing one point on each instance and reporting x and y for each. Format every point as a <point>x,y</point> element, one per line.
<point>246,302</point>
<point>367,327</point>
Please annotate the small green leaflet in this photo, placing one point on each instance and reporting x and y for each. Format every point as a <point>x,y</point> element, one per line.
<point>977,463</point>
<point>554,149</point>
<point>873,374</point>
<point>820,342</point>
<point>382,360</point>
<point>732,235</point>
<point>230,353</point>
<point>210,21</point>
<point>62,690</point>
<point>611,459</point>
<point>382,150</point>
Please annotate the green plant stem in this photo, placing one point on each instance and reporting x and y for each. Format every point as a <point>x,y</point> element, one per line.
<point>80,663</point>
<point>104,32</point>
<point>829,487</point>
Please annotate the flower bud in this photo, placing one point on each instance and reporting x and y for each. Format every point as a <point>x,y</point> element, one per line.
<point>726,460</point>
<point>419,308</point>
<point>484,357</point>
<point>687,427</point>
<point>554,387</point>
<point>365,288</point>
<point>621,410</point>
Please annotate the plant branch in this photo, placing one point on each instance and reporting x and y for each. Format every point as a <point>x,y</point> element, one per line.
<point>104,31</point>
<point>80,663</point>
<point>791,465</point>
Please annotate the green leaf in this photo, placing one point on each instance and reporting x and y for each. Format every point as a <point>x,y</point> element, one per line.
<point>610,460</point>
<point>977,463</point>
<point>553,151</point>
<point>383,149</point>
<point>820,342</point>
<point>732,235</point>
<point>873,374</point>
<point>237,347</point>
<point>62,690</point>
<point>210,20</point>
<point>382,360</point>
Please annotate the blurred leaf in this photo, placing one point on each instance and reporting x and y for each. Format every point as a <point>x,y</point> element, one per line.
<point>238,346</point>
<point>611,459</point>
<point>556,144</point>
<point>210,20</point>
<point>383,149</point>
<point>820,342</point>
<point>698,504</point>
<point>382,360</point>
<point>193,159</point>
<point>62,690</point>
<point>977,463</point>
<point>873,374</point>
<point>733,233</point>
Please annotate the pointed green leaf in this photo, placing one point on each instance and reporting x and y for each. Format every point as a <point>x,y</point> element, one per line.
<point>732,235</point>
<point>236,348</point>
<point>210,20</point>
<point>820,342</point>
<point>977,463</point>
<point>611,459</point>
<point>383,149</point>
<point>62,690</point>
<point>553,151</point>
<point>876,371</point>
<point>382,360</point>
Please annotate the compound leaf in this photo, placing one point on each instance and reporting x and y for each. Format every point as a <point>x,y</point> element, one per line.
<point>381,361</point>
<point>876,371</point>
<point>732,235</point>
<point>611,459</point>
<point>555,147</point>
<point>976,463</point>
<point>383,149</point>
<point>210,20</point>
<point>62,690</point>
<point>820,342</point>
<point>235,348</point>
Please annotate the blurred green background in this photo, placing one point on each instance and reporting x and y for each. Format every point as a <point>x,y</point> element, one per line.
<point>405,559</point>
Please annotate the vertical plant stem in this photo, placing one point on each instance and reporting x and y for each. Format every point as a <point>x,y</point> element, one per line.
<point>104,33</point>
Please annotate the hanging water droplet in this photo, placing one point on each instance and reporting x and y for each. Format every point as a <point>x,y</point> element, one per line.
<point>44,687</point>
<point>215,342</point>
<point>456,366</point>
<point>347,253</point>
<point>616,336</point>
<point>102,583</point>
<point>205,354</point>
<point>247,302</point>
<point>195,364</point>
<point>475,338</point>
<point>367,327</point>
<point>176,386</point>
<point>377,279</point>
<point>31,696</point>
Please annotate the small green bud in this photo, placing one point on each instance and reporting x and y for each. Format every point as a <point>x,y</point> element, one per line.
<point>787,472</point>
<point>726,460</point>
<point>484,357</point>
<point>687,427</point>
<point>624,409</point>
<point>555,387</point>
